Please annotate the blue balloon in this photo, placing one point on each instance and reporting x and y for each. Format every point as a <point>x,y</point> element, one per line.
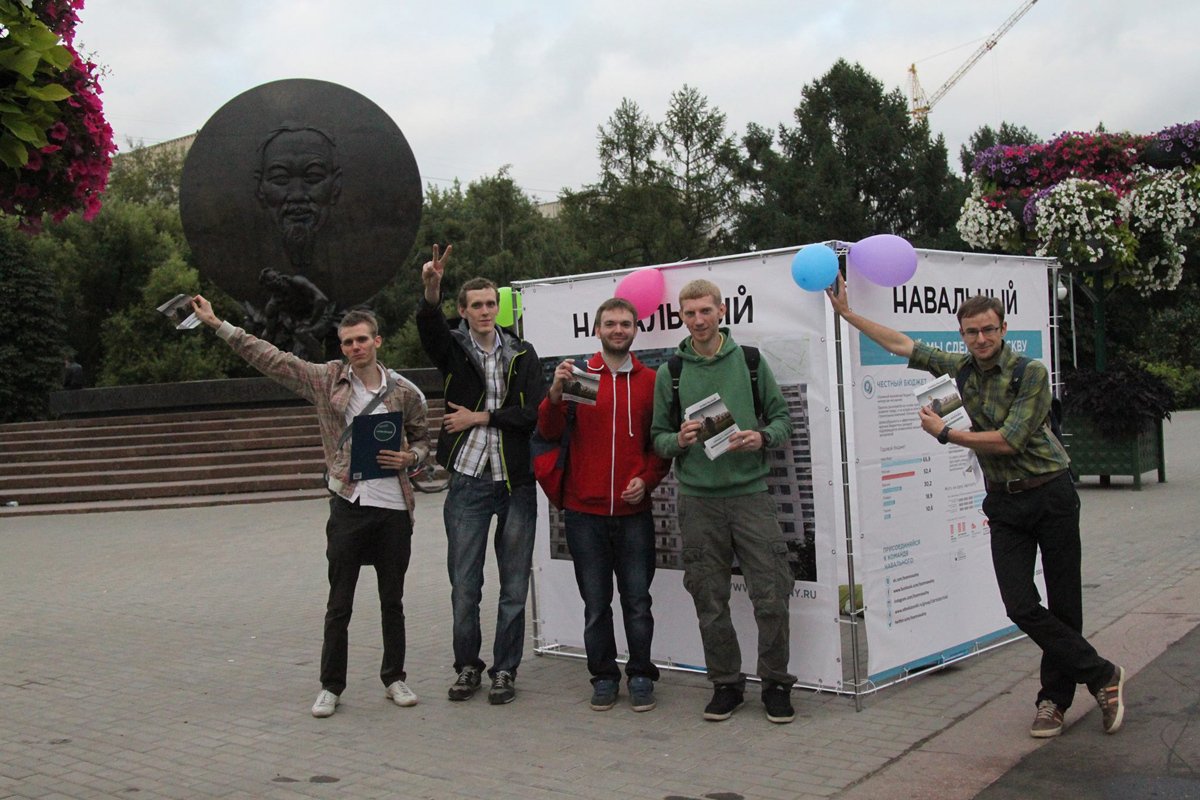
<point>815,267</point>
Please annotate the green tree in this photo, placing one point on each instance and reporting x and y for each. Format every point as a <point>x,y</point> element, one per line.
<point>142,346</point>
<point>31,332</point>
<point>102,266</point>
<point>854,164</point>
<point>147,176</point>
<point>497,232</point>
<point>700,163</point>
<point>620,220</point>
<point>402,348</point>
<point>986,136</point>
<point>666,190</point>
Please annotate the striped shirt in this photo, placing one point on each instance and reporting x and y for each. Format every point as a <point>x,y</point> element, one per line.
<point>1021,417</point>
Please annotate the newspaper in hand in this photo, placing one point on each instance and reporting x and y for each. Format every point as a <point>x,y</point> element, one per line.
<point>583,388</point>
<point>942,398</point>
<point>179,310</point>
<point>716,424</point>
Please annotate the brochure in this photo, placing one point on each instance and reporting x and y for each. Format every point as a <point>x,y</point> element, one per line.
<point>941,395</point>
<point>369,434</point>
<point>179,310</point>
<point>583,388</point>
<point>717,425</point>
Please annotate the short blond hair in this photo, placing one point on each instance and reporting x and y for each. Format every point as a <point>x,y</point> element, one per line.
<point>700,288</point>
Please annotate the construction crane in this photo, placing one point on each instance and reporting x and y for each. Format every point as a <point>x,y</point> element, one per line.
<point>922,104</point>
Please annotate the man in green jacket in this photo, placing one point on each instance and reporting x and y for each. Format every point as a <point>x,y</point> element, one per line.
<point>725,511</point>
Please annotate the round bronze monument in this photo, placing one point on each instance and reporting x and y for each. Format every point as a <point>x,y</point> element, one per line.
<point>309,180</point>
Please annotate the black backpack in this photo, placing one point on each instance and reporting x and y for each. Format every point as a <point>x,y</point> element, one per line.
<point>675,366</point>
<point>1056,409</point>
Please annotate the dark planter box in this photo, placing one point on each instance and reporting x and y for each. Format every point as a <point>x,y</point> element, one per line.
<point>1093,453</point>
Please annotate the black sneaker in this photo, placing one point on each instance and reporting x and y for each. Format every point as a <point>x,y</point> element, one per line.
<point>502,691</point>
<point>778,700</point>
<point>604,694</point>
<point>726,699</point>
<point>465,685</point>
<point>641,693</point>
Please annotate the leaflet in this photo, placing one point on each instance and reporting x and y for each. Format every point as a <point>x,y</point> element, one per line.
<point>583,388</point>
<point>942,398</point>
<point>179,310</point>
<point>716,424</point>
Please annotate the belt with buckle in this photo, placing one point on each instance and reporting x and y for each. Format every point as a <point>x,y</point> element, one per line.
<point>1022,484</point>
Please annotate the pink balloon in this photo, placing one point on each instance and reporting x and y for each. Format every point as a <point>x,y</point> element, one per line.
<point>884,259</point>
<point>644,289</point>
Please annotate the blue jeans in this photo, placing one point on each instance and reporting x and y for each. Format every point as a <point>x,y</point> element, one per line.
<point>601,546</point>
<point>468,510</point>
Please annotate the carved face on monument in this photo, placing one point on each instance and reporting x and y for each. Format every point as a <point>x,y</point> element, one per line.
<point>299,181</point>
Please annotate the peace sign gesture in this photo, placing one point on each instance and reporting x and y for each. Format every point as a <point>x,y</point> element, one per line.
<point>431,273</point>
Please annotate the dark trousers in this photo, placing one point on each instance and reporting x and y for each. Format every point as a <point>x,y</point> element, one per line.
<point>356,536</point>
<point>1046,519</point>
<point>602,546</point>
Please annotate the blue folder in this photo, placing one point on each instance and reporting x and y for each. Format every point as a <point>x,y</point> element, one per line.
<point>371,433</point>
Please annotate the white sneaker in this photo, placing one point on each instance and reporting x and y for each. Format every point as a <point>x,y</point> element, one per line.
<point>401,695</point>
<point>326,704</point>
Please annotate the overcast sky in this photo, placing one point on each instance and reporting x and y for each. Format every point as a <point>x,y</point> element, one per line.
<point>478,85</point>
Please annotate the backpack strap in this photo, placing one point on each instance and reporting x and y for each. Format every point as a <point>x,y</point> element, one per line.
<point>1018,374</point>
<point>752,357</point>
<point>675,367</point>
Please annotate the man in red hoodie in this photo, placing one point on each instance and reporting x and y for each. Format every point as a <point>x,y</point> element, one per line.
<point>612,469</point>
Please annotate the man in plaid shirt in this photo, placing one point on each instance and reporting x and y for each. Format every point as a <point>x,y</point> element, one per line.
<point>493,384</point>
<point>1031,502</point>
<point>370,521</point>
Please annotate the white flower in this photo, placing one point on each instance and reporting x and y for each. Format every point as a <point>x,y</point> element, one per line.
<point>984,227</point>
<point>1081,221</point>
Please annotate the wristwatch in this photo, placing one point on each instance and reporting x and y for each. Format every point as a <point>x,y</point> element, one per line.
<point>944,436</point>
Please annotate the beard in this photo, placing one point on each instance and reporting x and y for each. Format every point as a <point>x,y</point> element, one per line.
<point>298,239</point>
<point>620,351</point>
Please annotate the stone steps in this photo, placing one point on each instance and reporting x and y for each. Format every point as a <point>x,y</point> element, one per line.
<point>171,459</point>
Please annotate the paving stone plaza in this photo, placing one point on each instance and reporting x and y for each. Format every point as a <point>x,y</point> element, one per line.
<point>174,654</point>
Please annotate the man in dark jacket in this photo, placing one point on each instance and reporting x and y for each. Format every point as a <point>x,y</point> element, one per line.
<point>493,384</point>
<point>612,469</point>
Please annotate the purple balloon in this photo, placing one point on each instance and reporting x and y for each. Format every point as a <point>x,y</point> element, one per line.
<point>885,259</point>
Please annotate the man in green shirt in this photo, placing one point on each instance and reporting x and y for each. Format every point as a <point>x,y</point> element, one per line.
<point>725,510</point>
<point>1031,502</point>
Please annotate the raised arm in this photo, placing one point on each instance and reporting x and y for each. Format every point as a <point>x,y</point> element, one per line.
<point>893,341</point>
<point>284,368</point>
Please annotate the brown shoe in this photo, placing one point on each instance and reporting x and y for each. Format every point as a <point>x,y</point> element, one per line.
<point>1112,702</point>
<point>1048,721</point>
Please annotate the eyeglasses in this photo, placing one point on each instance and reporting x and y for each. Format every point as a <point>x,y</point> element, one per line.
<point>972,333</point>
